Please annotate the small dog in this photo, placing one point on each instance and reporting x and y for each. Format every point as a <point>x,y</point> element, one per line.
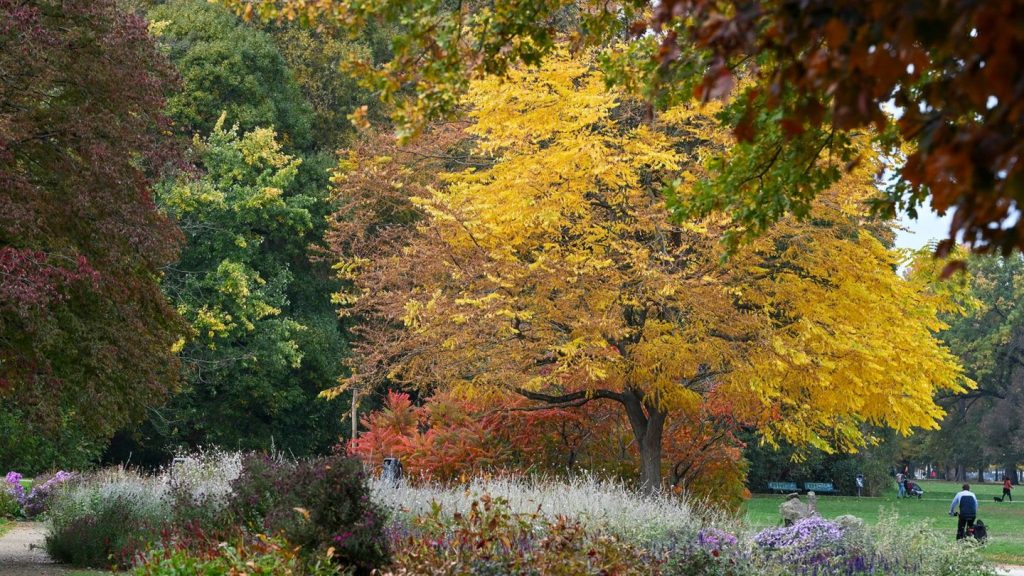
<point>997,498</point>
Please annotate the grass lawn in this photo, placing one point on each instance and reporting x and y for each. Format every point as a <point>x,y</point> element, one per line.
<point>1005,521</point>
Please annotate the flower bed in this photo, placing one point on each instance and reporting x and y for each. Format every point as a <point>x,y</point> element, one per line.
<point>324,516</point>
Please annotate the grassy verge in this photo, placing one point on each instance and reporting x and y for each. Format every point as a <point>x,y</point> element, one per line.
<point>1005,520</point>
<point>5,525</point>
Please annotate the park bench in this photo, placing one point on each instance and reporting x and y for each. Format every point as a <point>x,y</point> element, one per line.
<point>782,486</point>
<point>819,487</point>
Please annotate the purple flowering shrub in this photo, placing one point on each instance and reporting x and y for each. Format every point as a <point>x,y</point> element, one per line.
<point>12,495</point>
<point>810,541</point>
<point>14,487</point>
<point>38,500</point>
<point>318,504</point>
<point>712,539</point>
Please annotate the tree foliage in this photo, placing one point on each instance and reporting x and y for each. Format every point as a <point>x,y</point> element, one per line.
<point>316,59</point>
<point>984,425</point>
<point>85,334</point>
<point>546,268</point>
<point>817,73</point>
<point>453,436</point>
<point>260,350</point>
<point>228,66</point>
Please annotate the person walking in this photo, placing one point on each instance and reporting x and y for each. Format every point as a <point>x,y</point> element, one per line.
<point>968,503</point>
<point>1007,487</point>
<point>901,485</point>
<point>860,484</point>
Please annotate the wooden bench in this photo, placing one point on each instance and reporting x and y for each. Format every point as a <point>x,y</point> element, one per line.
<point>819,487</point>
<point>783,487</point>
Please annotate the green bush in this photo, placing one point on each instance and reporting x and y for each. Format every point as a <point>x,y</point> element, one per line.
<point>111,534</point>
<point>318,504</point>
<point>9,506</point>
<point>106,519</point>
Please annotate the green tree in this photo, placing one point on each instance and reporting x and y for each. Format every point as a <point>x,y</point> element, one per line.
<point>985,425</point>
<point>228,66</point>
<point>316,59</point>
<point>264,338</point>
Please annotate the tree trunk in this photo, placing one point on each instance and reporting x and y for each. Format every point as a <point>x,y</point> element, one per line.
<point>1010,471</point>
<point>648,424</point>
<point>355,414</point>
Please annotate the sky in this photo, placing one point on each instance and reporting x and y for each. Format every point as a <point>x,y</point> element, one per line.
<point>928,226</point>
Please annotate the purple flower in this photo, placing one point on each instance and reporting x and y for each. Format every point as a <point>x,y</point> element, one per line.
<point>14,486</point>
<point>38,501</point>
<point>714,539</point>
<point>809,541</point>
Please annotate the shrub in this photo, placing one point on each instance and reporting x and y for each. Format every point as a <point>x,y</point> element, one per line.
<point>701,562</point>
<point>925,550</point>
<point>711,552</point>
<point>319,504</point>
<point>107,518</point>
<point>199,490</point>
<point>598,504</point>
<point>822,548</point>
<point>112,534</point>
<point>260,555</point>
<point>492,540</point>
<point>809,541</point>
<point>9,506</point>
<point>13,486</point>
<point>38,500</point>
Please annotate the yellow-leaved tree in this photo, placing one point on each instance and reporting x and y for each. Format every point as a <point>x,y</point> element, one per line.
<point>549,268</point>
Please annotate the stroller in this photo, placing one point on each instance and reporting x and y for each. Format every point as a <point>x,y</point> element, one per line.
<point>914,489</point>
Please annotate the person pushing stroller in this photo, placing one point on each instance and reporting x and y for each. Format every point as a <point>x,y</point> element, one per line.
<point>968,503</point>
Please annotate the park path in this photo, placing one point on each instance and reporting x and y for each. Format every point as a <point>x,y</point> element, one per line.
<point>21,552</point>
<point>1011,570</point>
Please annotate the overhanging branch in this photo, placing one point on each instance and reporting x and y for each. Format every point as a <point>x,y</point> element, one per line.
<point>584,395</point>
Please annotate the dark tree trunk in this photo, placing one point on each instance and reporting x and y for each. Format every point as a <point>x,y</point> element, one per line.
<point>648,424</point>
<point>645,419</point>
<point>1010,471</point>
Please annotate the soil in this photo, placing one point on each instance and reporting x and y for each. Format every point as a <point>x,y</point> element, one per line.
<point>22,554</point>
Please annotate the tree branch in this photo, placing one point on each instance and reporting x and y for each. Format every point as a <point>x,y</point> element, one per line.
<point>585,395</point>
